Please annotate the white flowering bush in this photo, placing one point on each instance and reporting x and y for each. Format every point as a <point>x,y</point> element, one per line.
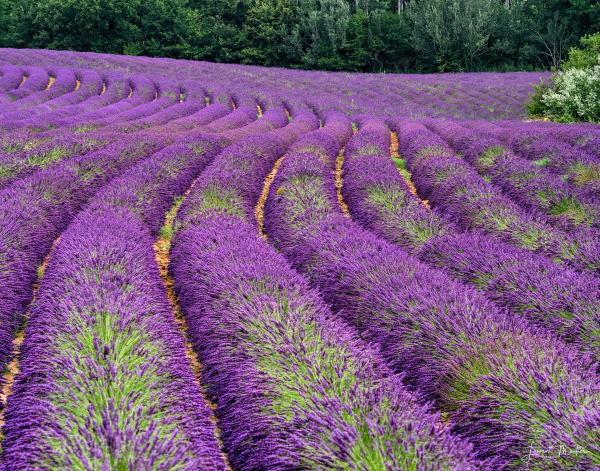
<point>574,96</point>
<point>574,92</point>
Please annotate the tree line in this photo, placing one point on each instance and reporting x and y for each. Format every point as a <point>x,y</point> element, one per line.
<point>348,35</point>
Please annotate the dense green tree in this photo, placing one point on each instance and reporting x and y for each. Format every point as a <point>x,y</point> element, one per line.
<point>272,34</point>
<point>453,33</point>
<point>356,35</point>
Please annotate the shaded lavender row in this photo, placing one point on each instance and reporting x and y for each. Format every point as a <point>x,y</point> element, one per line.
<point>295,389</point>
<point>455,187</point>
<point>578,168</point>
<point>518,395</point>
<point>529,285</point>
<point>526,183</point>
<point>104,381</point>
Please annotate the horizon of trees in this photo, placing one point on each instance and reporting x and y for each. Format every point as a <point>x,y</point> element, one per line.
<point>346,35</point>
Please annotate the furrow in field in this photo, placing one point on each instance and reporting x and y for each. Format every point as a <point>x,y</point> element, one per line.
<point>401,166</point>
<point>162,248</point>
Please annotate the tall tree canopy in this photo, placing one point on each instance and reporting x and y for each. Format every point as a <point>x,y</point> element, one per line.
<point>354,35</point>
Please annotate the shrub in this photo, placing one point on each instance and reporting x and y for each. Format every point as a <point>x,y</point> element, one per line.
<point>574,92</point>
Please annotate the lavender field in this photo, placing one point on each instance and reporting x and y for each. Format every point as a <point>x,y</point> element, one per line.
<point>211,266</point>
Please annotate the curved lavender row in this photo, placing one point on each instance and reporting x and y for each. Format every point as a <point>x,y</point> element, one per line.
<point>243,99</point>
<point>302,124</point>
<point>148,189</point>
<point>274,118</point>
<point>114,89</point>
<point>170,113</point>
<point>102,341</point>
<point>194,90</point>
<point>574,166</point>
<point>565,302</point>
<point>27,153</point>
<point>65,81</point>
<point>23,156</point>
<point>239,117</point>
<point>294,387</point>
<point>103,382</point>
<point>527,184</point>
<point>88,85</point>
<point>462,96</point>
<point>37,80</point>
<point>197,121</point>
<point>327,141</point>
<point>11,78</point>
<point>166,93</point>
<point>232,171</point>
<point>456,188</point>
<point>141,91</point>
<point>379,198</point>
<point>35,210</point>
<point>519,395</point>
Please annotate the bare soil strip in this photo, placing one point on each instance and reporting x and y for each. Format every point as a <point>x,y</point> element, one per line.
<point>161,251</point>
<point>51,81</point>
<point>339,182</point>
<point>405,174</point>
<point>259,210</point>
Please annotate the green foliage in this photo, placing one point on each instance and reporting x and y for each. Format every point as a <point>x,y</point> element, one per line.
<point>352,35</point>
<point>574,92</point>
<point>586,56</point>
<point>452,34</point>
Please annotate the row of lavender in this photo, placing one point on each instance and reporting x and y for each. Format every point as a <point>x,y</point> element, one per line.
<point>515,391</point>
<point>48,175</point>
<point>103,380</point>
<point>528,284</point>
